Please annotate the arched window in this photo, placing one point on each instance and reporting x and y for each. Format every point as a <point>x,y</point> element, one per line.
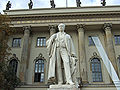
<point>39,71</point>
<point>96,70</point>
<point>13,64</point>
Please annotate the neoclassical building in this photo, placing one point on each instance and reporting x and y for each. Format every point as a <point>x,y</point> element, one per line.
<point>34,26</point>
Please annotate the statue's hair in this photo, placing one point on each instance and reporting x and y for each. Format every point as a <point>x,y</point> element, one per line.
<point>61,24</point>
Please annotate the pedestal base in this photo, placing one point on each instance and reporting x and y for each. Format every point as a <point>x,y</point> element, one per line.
<point>63,87</point>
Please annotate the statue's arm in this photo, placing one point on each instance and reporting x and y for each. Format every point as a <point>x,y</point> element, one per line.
<point>51,40</point>
<point>49,44</point>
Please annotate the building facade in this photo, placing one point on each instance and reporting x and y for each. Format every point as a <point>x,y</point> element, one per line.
<point>33,27</point>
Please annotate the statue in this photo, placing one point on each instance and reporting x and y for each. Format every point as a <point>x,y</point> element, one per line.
<point>78,3</point>
<point>8,5</point>
<point>30,4</point>
<point>61,49</point>
<point>103,2</point>
<point>52,3</point>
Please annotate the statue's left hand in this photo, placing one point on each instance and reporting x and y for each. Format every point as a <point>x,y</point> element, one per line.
<point>76,59</point>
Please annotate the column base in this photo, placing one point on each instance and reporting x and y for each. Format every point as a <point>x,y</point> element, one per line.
<point>63,87</point>
<point>85,82</point>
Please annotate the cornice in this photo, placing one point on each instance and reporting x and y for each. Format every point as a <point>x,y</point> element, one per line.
<point>66,16</point>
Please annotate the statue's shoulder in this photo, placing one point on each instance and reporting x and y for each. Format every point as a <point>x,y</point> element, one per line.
<point>68,36</point>
<point>53,36</point>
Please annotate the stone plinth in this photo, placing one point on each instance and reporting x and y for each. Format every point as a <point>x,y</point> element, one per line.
<point>63,87</point>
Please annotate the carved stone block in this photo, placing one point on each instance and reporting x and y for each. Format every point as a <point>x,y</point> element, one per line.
<point>63,87</point>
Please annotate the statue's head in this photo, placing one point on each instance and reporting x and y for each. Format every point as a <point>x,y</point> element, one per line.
<point>61,27</point>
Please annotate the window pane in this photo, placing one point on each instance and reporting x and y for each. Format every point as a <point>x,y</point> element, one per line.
<point>96,70</point>
<point>16,42</point>
<point>13,64</point>
<point>38,42</point>
<point>41,41</point>
<point>39,68</point>
<point>90,41</point>
<point>43,67</point>
<point>39,71</point>
<point>36,67</point>
<point>117,39</point>
<point>42,77</point>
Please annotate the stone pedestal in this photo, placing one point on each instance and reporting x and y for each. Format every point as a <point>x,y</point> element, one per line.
<point>63,87</point>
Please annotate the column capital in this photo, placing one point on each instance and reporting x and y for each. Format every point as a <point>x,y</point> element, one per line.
<point>80,27</point>
<point>27,29</point>
<point>51,27</point>
<point>107,26</point>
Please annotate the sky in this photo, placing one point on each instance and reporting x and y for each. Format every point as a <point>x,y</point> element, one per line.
<point>23,4</point>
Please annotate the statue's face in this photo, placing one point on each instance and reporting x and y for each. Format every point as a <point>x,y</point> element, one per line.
<point>61,27</point>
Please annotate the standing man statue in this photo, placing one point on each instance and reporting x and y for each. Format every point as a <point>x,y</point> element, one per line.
<point>8,5</point>
<point>78,3</point>
<point>103,2</point>
<point>30,4</point>
<point>61,49</point>
<point>52,3</point>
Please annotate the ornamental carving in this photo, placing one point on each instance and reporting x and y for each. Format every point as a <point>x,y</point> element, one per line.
<point>40,56</point>
<point>107,26</point>
<point>80,27</point>
<point>95,56</point>
<point>13,57</point>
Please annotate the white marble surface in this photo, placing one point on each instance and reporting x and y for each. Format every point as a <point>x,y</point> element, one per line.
<point>60,48</point>
<point>63,87</point>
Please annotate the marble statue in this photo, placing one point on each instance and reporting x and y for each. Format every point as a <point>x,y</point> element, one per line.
<point>8,5</point>
<point>30,4</point>
<point>61,49</point>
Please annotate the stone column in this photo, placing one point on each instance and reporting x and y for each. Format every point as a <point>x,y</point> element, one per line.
<point>52,29</point>
<point>25,54</point>
<point>82,54</point>
<point>110,46</point>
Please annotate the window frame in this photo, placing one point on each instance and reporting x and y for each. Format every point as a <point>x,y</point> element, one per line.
<point>37,73</point>
<point>18,44</point>
<point>43,40</point>
<point>90,41</point>
<point>118,39</point>
<point>14,61</point>
<point>99,72</point>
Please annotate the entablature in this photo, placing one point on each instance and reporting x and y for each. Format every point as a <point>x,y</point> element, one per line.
<point>64,13</point>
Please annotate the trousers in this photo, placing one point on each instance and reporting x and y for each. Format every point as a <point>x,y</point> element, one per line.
<point>62,55</point>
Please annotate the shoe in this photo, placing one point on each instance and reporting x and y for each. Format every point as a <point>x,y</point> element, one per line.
<point>70,83</point>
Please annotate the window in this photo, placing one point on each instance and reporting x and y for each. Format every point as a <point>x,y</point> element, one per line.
<point>119,60</point>
<point>91,43</point>
<point>39,71</point>
<point>13,64</point>
<point>117,39</point>
<point>16,42</point>
<point>96,70</point>
<point>41,41</point>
